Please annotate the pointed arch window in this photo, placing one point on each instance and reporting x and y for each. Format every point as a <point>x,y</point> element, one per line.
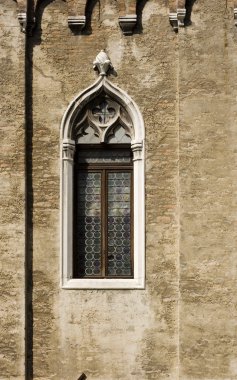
<point>102,191</point>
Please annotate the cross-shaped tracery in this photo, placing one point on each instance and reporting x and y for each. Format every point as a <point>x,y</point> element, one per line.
<point>103,112</point>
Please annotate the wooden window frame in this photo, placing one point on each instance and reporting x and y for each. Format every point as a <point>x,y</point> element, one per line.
<point>104,169</point>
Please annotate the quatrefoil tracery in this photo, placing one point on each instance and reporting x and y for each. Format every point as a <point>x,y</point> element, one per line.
<point>104,120</point>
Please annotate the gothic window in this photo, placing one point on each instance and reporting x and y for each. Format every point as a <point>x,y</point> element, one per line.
<point>103,182</point>
<point>102,191</point>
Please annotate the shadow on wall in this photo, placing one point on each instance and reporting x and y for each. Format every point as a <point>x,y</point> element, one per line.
<point>39,11</point>
<point>139,9</point>
<point>89,11</point>
<point>82,377</point>
<point>87,30</point>
<point>189,7</point>
<point>90,5</point>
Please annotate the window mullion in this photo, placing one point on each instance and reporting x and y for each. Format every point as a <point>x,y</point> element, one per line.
<point>103,222</point>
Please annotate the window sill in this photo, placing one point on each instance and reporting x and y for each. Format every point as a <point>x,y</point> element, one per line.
<point>104,284</point>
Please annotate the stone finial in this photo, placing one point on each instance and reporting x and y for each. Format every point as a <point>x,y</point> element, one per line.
<point>102,63</point>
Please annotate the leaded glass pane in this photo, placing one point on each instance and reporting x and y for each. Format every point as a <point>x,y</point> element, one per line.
<point>88,224</point>
<point>119,224</point>
<point>104,156</point>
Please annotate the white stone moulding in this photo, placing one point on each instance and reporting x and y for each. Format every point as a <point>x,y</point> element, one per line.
<point>67,153</point>
<point>127,24</point>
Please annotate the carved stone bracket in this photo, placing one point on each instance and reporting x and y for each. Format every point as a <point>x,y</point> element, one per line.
<point>177,19</point>
<point>22,18</point>
<point>77,22</point>
<point>68,150</point>
<point>174,21</point>
<point>177,13</point>
<point>127,24</point>
<point>181,13</point>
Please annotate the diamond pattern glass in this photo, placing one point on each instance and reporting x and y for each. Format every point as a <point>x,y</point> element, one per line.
<point>119,224</point>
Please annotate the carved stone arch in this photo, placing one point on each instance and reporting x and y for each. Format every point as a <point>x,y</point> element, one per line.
<point>80,102</point>
<point>135,127</point>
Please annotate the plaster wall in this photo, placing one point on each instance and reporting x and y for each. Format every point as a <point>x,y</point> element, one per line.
<point>12,183</point>
<point>208,194</point>
<point>112,334</point>
<point>183,324</point>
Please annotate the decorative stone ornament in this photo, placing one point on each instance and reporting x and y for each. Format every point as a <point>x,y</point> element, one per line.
<point>77,22</point>
<point>102,63</point>
<point>103,122</point>
<point>127,24</point>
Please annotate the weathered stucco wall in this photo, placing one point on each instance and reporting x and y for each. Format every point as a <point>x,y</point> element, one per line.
<point>112,334</point>
<point>208,137</point>
<point>12,182</point>
<point>183,325</point>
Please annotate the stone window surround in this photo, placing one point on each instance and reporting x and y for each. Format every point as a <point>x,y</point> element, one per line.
<point>67,162</point>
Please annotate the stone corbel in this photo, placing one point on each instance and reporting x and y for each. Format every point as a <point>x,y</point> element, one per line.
<point>127,16</point>
<point>22,18</point>
<point>22,15</point>
<point>68,150</point>
<point>181,13</point>
<point>77,22</point>
<point>26,23</point>
<point>235,12</point>
<point>76,15</point>
<point>127,24</point>
<point>137,150</point>
<point>177,14</point>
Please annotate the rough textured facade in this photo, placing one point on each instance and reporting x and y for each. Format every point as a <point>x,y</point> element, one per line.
<point>183,324</point>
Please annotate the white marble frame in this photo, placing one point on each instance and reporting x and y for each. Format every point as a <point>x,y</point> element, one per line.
<point>67,162</point>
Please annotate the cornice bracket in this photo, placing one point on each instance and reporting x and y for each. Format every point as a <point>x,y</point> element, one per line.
<point>177,19</point>
<point>235,16</point>
<point>22,18</point>
<point>76,22</point>
<point>127,24</point>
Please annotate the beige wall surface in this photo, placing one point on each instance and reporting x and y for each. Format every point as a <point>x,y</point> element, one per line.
<point>12,240</point>
<point>208,203</point>
<point>112,334</point>
<point>183,324</point>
